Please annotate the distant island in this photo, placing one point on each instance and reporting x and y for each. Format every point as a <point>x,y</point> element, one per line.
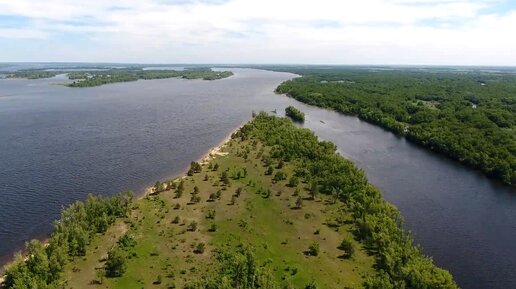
<point>89,78</point>
<point>272,208</point>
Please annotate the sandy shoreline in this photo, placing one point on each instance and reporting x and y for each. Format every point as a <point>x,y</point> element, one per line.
<point>211,154</point>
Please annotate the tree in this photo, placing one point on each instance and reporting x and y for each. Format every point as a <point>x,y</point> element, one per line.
<point>269,171</point>
<point>279,176</point>
<point>192,227</point>
<point>347,247</point>
<point>293,181</point>
<point>313,249</point>
<point>311,285</point>
<point>199,248</point>
<point>116,263</point>
<point>299,202</point>
<point>100,273</point>
<point>313,190</point>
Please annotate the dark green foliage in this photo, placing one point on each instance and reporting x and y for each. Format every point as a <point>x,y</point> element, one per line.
<point>468,116</point>
<point>378,224</point>
<point>79,223</point>
<point>295,114</point>
<point>195,167</point>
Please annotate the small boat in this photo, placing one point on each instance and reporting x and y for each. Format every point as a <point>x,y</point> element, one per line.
<point>274,111</point>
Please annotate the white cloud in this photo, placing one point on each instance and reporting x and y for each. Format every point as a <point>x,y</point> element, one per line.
<point>266,31</point>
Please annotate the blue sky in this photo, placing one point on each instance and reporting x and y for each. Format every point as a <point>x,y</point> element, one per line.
<point>455,32</point>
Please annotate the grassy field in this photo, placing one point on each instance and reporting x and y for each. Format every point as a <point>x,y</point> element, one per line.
<point>262,216</point>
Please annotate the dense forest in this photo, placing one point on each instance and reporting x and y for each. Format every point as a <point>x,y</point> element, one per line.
<point>277,208</point>
<point>469,115</point>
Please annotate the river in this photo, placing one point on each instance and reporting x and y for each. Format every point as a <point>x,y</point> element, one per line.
<point>57,144</point>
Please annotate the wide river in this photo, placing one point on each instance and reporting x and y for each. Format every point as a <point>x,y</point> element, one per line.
<point>57,144</point>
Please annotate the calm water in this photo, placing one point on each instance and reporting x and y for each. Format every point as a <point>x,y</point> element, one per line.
<point>57,144</point>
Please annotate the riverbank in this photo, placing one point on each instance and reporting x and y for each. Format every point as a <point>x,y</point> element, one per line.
<point>205,158</point>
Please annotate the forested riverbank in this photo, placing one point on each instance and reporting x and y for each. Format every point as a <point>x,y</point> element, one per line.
<point>467,116</point>
<point>215,227</point>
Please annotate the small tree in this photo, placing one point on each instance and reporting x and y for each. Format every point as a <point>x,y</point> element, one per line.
<point>279,176</point>
<point>190,172</point>
<point>313,190</point>
<point>347,247</point>
<point>293,181</point>
<point>311,285</point>
<point>213,228</point>
<point>216,167</point>
<point>238,192</point>
<point>269,171</point>
<point>100,273</point>
<point>199,248</point>
<point>313,249</point>
<point>116,263</point>
<point>299,202</point>
<point>192,227</point>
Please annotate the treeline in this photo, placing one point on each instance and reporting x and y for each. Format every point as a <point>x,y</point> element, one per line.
<point>97,78</point>
<point>400,264</point>
<point>34,74</point>
<point>295,113</point>
<point>470,117</point>
<point>42,265</point>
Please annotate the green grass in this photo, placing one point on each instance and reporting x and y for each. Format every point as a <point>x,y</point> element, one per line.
<point>278,234</point>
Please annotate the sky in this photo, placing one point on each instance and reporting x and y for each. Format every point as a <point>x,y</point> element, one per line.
<point>390,32</point>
